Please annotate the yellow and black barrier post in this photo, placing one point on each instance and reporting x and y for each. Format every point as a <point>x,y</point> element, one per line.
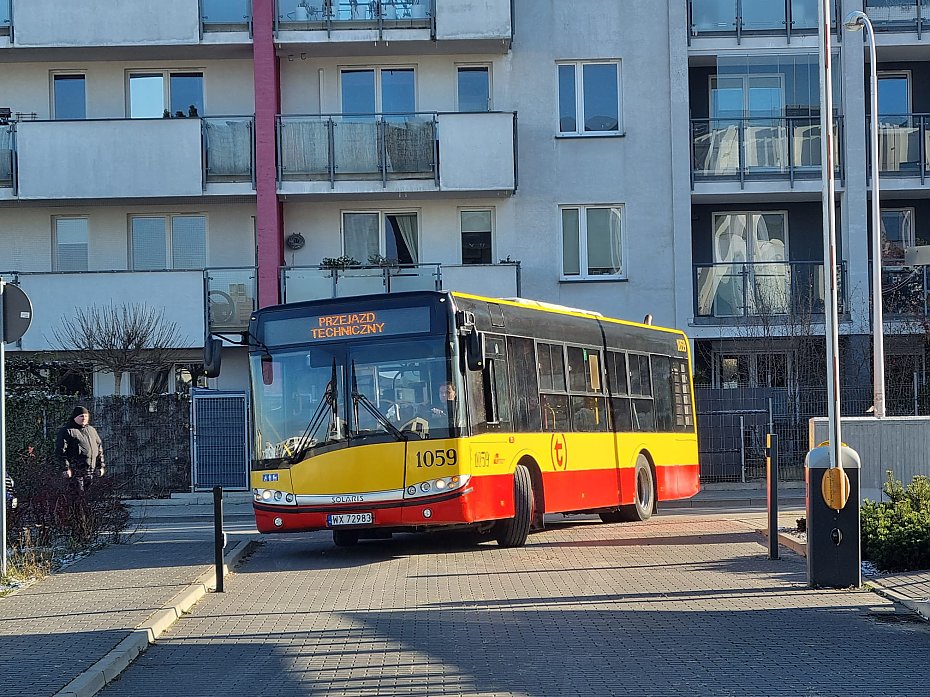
<point>834,555</point>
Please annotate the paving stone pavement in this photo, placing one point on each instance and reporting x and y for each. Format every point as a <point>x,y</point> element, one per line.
<point>681,605</point>
<point>56,629</point>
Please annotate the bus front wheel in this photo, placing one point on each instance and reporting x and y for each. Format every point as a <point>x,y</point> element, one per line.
<point>345,538</point>
<point>514,531</point>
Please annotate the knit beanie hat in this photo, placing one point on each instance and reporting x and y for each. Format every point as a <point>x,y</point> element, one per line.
<point>78,411</point>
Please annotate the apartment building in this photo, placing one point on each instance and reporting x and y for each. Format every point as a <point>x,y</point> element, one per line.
<point>633,157</point>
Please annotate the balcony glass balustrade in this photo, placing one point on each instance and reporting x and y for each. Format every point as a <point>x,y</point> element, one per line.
<point>354,14</point>
<point>229,148</point>
<point>370,146</point>
<point>316,282</point>
<point>762,289</point>
<point>787,147</point>
<point>905,291</point>
<point>6,15</point>
<point>737,17</point>
<point>6,155</point>
<point>231,294</point>
<point>899,15</point>
<point>904,145</point>
<point>225,15</point>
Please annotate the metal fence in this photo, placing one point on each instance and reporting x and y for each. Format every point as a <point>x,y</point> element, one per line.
<point>732,424</point>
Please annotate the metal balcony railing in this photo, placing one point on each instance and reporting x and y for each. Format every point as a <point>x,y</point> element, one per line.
<point>229,149</point>
<point>741,17</point>
<point>899,15</point>
<point>225,15</point>
<point>7,170</point>
<point>762,289</point>
<point>231,298</point>
<point>329,15</point>
<point>904,145</point>
<point>365,146</point>
<point>905,291</point>
<point>762,148</point>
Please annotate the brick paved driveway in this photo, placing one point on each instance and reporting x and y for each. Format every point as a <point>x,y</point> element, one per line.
<point>682,605</point>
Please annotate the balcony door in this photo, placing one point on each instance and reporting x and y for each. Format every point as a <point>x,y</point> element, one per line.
<point>899,131</point>
<point>750,274</point>
<point>751,107</point>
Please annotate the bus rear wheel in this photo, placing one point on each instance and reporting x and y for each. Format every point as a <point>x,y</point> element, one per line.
<point>644,497</point>
<point>514,531</point>
<point>345,538</point>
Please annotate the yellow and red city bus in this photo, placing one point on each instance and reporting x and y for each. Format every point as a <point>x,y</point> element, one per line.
<point>408,411</point>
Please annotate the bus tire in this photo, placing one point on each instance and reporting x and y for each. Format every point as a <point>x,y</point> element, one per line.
<point>345,538</point>
<point>644,493</point>
<point>514,531</point>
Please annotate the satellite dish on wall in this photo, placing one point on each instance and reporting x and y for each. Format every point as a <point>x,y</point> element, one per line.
<point>295,241</point>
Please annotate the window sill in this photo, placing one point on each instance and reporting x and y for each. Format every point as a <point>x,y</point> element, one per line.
<point>582,136</point>
<point>611,279</point>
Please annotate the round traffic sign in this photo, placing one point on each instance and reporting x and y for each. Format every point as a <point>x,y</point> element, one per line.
<point>17,313</point>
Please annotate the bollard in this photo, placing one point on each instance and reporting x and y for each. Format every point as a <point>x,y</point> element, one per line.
<point>771,473</point>
<point>218,536</point>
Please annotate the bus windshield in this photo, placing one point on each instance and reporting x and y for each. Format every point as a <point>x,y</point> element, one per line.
<point>311,399</point>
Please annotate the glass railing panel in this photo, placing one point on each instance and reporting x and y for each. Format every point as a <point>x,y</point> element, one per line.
<point>899,144</point>
<point>421,277</point>
<point>221,14</point>
<point>709,16</point>
<point>764,16</point>
<point>765,146</point>
<point>229,149</point>
<point>900,15</point>
<point>925,14</point>
<point>230,298</point>
<point>304,144</point>
<point>6,156</point>
<point>807,288</point>
<point>721,290</point>
<point>360,281</point>
<point>410,144</point>
<point>307,283</point>
<point>716,147</point>
<point>805,143</point>
<point>904,290</point>
<point>926,137</point>
<point>357,147</point>
<point>292,12</point>
<point>804,14</point>
<point>6,15</point>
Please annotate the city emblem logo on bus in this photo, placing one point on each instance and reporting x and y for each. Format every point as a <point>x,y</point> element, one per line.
<point>559,452</point>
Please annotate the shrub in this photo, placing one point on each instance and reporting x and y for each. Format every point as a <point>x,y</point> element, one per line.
<point>896,532</point>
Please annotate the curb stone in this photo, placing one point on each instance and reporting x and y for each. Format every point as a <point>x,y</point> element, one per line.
<point>95,678</point>
<point>921,607</point>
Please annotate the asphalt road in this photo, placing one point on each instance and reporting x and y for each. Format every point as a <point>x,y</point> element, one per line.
<point>686,604</point>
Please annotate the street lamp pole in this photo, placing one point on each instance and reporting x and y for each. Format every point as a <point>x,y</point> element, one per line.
<point>855,21</point>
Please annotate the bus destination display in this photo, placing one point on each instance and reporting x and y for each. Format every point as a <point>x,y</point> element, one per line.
<point>348,325</point>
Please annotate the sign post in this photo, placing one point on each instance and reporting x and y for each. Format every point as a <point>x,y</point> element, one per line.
<point>15,318</point>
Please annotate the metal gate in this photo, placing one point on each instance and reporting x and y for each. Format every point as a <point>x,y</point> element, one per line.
<point>219,440</point>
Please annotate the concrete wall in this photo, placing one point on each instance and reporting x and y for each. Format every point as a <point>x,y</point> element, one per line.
<point>105,23</point>
<point>473,152</point>
<point>473,19</point>
<point>897,443</point>
<point>103,159</point>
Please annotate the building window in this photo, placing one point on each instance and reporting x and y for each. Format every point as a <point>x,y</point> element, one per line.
<point>157,94</point>
<point>589,98</point>
<point>897,234</point>
<point>591,242</point>
<point>476,236</point>
<point>474,88</point>
<point>169,242</point>
<point>367,237</point>
<point>735,370</point>
<point>69,100</point>
<point>378,90</point>
<point>71,244</point>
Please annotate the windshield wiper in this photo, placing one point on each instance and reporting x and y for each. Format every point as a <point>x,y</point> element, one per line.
<point>359,398</point>
<point>327,400</point>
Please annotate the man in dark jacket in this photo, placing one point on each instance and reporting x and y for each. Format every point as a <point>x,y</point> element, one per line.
<point>78,450</point>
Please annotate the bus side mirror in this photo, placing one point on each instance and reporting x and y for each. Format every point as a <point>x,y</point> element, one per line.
<point>212,357</point>
<point>474,350</point>
<point>267,370</point>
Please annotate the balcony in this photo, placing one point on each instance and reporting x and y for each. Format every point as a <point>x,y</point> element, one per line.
<point>129,158</point>
<point>222,299</point>
<point>6,17</point>
<point>905,291</point>
<point>299,283</point>
<point>741,18</point>
<point>904,146</point>
<point>225,15</point>
<point>424,152</point>
<point>49,23</point>
<point>762,290</point>
<point>786,148</point>
<point>899,15</point>
<point>481,26</point>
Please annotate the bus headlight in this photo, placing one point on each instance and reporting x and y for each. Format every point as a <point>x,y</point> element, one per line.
<point>435,486</point>
<point>274,496</point>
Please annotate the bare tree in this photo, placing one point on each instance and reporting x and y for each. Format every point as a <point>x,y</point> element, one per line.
<point>119,339</point>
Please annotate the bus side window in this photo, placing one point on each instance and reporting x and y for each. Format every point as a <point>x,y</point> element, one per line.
<point>496,388</point>
<point>523,384</point>
<point>644,417</point>
<point>589,407</point>
<point>681,394</point>
<point>619,401</point>
<point>662,381</point>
